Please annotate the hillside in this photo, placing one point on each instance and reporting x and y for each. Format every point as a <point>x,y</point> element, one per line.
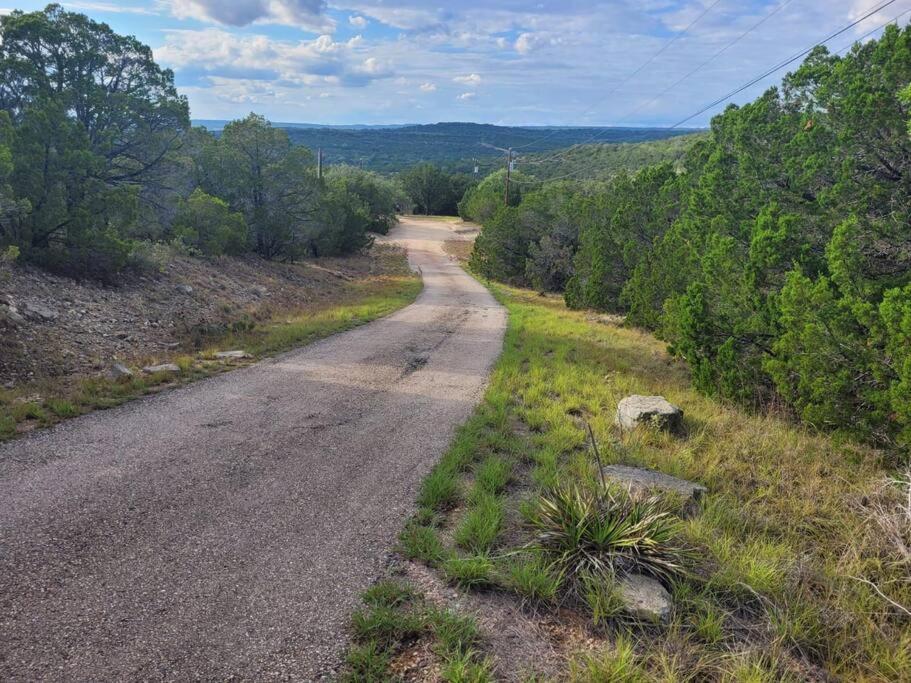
<point>458,146</point>
<point>601,160</point>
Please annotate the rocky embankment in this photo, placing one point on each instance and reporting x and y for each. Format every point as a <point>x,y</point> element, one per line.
<point>53,327</point>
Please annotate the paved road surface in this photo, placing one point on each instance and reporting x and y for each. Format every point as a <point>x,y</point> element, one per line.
<point>225,530</point>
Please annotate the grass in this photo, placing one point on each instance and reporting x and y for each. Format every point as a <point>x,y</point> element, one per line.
<point>396,618</point>
<point>797,570</point>
<point>44,404</point>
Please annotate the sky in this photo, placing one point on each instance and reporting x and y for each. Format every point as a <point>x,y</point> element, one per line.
<point>508,62</point>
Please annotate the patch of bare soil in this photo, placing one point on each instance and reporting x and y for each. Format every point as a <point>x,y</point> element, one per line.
<point>53,327</point>
<point>523,644</point>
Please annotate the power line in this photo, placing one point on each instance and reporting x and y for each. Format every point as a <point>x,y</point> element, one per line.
<point>769,72</point>
<point>782,65</point>
<point>673,85</point>
<point>894,20</point>
<point>639,69</point>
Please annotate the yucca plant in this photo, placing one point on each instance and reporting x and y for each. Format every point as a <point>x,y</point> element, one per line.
<point>604,534</point>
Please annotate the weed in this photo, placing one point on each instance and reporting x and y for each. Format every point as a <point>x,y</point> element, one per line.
<point>419,542</point>
<point>493,474</point>
<point>367,663</point>
<point>466,668</point>
<point>532,578</point>
<point>440,490</point>
<point>469,572</point>
<point>386,626</point>
<point>454,633</point>
<point>388,594</point>
<point>617,665</point>
<point>478,529</point>
<point>61,407</point>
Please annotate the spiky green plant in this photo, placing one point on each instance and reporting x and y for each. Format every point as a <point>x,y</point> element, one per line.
<point>604,534</point>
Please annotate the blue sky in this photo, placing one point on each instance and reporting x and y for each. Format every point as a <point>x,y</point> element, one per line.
<point>512,62</point>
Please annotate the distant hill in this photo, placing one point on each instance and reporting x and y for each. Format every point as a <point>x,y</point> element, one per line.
<point>455,146</point>
<point>604,160</point>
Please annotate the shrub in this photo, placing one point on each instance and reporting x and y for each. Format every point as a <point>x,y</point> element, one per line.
<point>207,224</point>
<point>604,535</point>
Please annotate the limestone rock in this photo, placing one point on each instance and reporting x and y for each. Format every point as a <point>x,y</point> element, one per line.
<point>645,598</point>
<point>164,367</point>
<point>39,312</point>
<point>640,480</point>
<point>656,411</point>
<point>184,289</point>
<point>232,354</point>
<point>119,371</point>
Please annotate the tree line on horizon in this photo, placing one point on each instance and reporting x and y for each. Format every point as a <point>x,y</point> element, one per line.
<point>99,164</point>
<point>774,257</point>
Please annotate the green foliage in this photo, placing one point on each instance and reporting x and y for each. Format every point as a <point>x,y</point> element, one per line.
<point>471,571</point>
<point>773,255</point>
<point>378,195</point>
<point>585,534</point>
<point>89,124</point>
<point>432,190</point>
<point>480,526</point>
<point>532,577</point>
<point>454,146</point>
<point>207,224</point>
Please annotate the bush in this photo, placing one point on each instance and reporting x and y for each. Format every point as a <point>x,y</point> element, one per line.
<point>604,535</point>
<point>207,224</point>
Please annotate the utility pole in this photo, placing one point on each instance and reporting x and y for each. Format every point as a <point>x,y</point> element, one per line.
<point>319,163</point>
<point>508,172</point>
<point>508,167</point>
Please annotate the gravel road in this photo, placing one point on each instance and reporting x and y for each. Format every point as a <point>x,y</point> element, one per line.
<point>224,530</point>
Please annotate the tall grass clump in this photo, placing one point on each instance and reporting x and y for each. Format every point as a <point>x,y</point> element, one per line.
<point>604,534</point>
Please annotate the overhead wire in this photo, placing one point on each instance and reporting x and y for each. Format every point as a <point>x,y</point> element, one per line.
<point>774,69</point>
<point>778,8</point>
<point>677,36</point>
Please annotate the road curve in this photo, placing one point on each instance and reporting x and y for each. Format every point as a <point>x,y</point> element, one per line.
<point>225,530</point>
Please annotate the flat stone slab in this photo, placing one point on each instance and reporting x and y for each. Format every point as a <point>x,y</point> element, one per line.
<point>655,411</point>
<point>640,479</point>
<point>232,354</point>
<point>164,367</point>
<point>645,598</point>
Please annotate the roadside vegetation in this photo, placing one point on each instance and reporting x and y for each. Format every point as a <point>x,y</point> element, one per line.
<point>774,257</point>
<point>795,565</point>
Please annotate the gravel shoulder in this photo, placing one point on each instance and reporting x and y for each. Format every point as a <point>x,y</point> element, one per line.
<point>226,529</point>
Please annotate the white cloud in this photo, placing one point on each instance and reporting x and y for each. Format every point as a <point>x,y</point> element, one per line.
<point>307,14</point>
<point>215,52</point>
<point>103,7</point>
<point>358,21</point>
<point>472,80</point>
<point>529,42</point>
<point>465,96</point>
<point>428,87</point>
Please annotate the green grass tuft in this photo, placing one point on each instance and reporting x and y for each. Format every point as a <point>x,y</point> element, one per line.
<point>478,529</point>
<point>469,572</point>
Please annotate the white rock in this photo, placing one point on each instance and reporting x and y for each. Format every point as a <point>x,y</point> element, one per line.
<point>645,598</point>
<point>640,479</point>
<point>38,312</point>
<point>184,289</point>
<point>119,371</point>
<point>656,411</point>
<point>164,367</point>
<point>232,354</point>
